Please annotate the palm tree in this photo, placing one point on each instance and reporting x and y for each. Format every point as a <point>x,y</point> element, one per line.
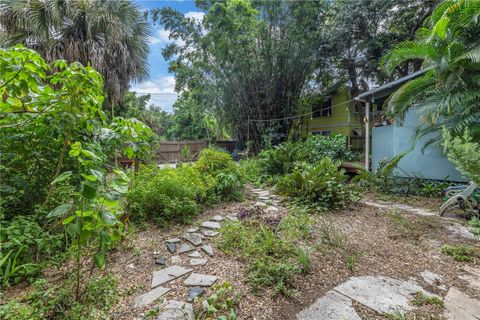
<point>110,35</point>
<point>448,94</point>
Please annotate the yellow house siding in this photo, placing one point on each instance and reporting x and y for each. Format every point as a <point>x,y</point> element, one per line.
<point>342,120</point>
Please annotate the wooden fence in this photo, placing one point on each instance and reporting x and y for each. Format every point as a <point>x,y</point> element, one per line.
<point>171,151</point>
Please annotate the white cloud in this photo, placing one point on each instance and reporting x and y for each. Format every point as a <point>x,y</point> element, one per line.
<point>197,15</point>
<point>161,90</point>
<point>162,37</point>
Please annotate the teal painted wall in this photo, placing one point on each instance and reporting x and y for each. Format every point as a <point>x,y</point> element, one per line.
<point>388,141</point>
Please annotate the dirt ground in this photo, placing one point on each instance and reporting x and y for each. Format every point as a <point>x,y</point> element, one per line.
<point>392,244</point>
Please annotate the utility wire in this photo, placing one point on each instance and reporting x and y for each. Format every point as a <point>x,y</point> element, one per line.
<point>301,115</point>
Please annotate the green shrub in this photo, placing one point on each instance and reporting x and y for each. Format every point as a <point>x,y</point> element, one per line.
<point>58,302</point>
<point>251,170</point>
<point>221,303</point>
<point>465,153</point>
<point>322,185</point>
<point>22,242</point>
<point>283,158</point>
<point>166,194</point>
<point>462,253</point>
<point>221,175</point>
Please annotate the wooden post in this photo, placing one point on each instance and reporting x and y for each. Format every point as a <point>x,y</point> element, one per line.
<point>367,136</point>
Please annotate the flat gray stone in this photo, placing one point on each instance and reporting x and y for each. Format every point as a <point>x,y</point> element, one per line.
<point>149,297</point>
<point>208,249</point>
<point>433,279</point>
<point>186,247</point>
<point>232,217</point>
<point>195,254</point>
<point>257,190</point>
<point>403,207</point>
<point>217,218</point>
<point>161,261</point>
<point>198,261</point>
<point>211,225</point>
<point>176,260</point>
<point>171,247</point>
<point>263,198</point>
<point>260,204</point>
<point>174,240</point>
<point>194,229</point>
<point>177,310</point>
<point>194,238</point>
<point>472,277</point>
<point>459,305</point>
<point>209,233</point>
<point>195,292</point>
<point>200,280</point>
<point>168,274</point>
<point>332,306</point>
<point>272,209</point>
<point>382,294</point>
<point>461,231</point>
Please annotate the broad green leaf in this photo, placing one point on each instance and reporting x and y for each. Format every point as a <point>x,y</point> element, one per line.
<point>108,218</point>
<point>73,229</point>
<point>60,210</point>
<point>120,186</point>
<point>62,177</point>
<point>88,191</point>
<point>90,154</point>
<point>90,177</point>
<point>99,259</point>
<point>69,219</point>
<point>98,174</point>
<point>75,149</point>
<point>105,238</point>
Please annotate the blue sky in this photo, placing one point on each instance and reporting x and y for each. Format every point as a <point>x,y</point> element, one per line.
<point>161,84</point>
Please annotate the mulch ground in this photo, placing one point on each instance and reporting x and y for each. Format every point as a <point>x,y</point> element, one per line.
<point>380,244</point>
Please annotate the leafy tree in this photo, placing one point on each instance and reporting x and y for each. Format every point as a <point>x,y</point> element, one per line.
<point>247,60</point>
<point>361,32</point>
<point>110,35</point>
<point>448,93</point>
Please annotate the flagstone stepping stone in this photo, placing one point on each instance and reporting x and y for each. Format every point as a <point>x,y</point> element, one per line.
<point>161,261</point>
<point>168,274</point>
<point>217,218</point>
<point>232,217</point>
<point>200,280</point>
<point>260,204</point>
<point>459,306</point>
<point>382,294</point>
<point>208,249</point>
<point>186,247</point>
<point>332,306</point>
<point>211,225</point>
<point>195,254</point>
<point>176,260</point>
<point>257,190</point>
<point>272,209</point>
<point>198,261</point>
<point>210,233</point>
<point>195,292</point>
<point>433,279</point>
<point>174,240</point>
<point>171,247</point>
<point>149,297</point>
<point>194,238</point>
<point>177,310</point>
<point>472,277</point>
<point>263,198</point>
<point>194,229</point>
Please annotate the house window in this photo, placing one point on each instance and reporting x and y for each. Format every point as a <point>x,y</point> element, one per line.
<point>323,109</point>
<point>323,133</point>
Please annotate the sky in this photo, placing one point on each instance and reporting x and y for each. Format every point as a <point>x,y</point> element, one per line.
<point>161,84</point>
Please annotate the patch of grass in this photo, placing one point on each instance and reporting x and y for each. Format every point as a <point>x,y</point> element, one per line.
<point>424,299</point>
<point>462,253</point>
<point>411,227</point>
<point>274,256</point>
<point>221,303</point>
<point>330,235</point>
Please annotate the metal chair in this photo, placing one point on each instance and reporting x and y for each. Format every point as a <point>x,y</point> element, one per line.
<point>461,197</point>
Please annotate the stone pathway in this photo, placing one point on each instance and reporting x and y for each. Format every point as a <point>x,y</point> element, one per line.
<point>195,245</point>
<point>386,295</point>
<point>455,228</point>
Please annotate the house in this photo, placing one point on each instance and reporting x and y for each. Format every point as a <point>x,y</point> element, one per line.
<point>390,139</point>
<point>336,113</point>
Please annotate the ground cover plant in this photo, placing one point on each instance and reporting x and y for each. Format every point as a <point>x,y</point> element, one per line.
<point>462,253</point>
<point>274,253</point>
